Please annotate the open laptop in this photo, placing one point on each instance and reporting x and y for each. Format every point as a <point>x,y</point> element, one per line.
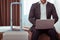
<point>44,24</point>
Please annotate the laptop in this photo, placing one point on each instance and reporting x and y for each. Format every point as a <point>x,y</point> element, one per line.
<point>44,24</point>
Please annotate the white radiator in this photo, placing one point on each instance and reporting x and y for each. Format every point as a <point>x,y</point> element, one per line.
<point>15,35</point>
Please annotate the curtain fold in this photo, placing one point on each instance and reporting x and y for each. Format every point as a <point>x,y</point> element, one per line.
<point>5,13</point>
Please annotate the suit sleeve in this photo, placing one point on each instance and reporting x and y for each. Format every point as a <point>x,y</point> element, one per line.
<point>54,14</point>
<point>32,15</point>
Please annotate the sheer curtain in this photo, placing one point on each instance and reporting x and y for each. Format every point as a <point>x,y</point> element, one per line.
<point>26,8</point>
<point>57,5</point>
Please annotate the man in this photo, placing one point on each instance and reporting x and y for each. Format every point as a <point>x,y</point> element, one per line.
<point>42,10</point>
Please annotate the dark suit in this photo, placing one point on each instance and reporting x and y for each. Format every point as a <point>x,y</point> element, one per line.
<point>35,14</point>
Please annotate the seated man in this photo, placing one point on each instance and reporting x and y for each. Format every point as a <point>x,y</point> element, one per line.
<point>43,10</point>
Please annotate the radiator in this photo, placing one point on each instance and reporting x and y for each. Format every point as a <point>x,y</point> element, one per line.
<point>15,35</point>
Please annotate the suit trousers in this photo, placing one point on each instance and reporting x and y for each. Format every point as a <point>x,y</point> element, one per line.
<point>50,32</point>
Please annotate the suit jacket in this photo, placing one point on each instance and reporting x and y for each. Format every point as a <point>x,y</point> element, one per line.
<point>35,12</point>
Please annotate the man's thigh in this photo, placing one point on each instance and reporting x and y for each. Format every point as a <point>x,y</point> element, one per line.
<point>52,31</point>
<point>35,34</point>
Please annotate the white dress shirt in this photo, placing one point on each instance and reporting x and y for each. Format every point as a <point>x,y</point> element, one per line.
<point>43,11</point>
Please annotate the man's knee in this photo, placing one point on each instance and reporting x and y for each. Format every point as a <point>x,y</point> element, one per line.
<point>52,32</point>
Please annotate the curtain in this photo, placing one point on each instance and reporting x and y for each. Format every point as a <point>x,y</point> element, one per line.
<point>5,13</point>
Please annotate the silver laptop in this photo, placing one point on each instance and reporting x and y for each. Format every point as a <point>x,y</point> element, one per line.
<point>44,24</point>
